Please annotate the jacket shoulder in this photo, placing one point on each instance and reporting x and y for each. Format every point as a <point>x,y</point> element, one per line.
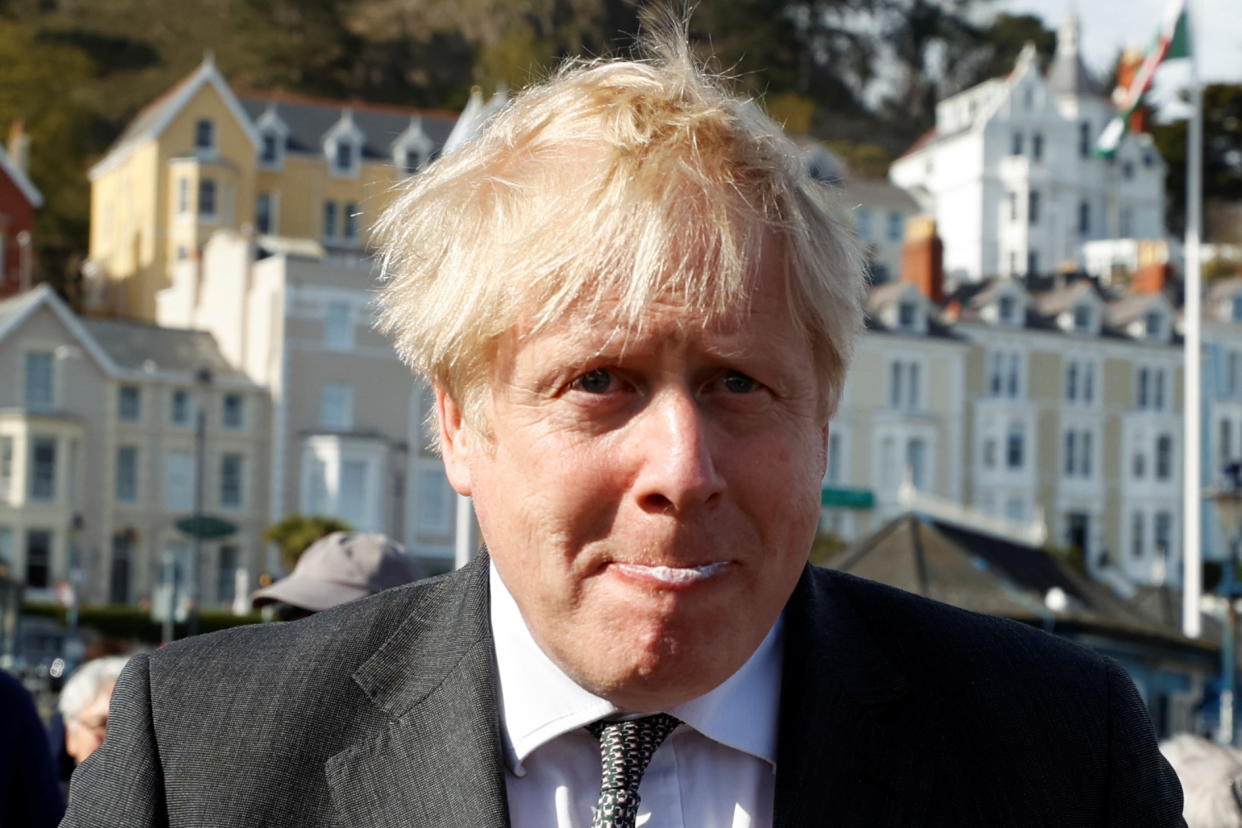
<point>947,644</point>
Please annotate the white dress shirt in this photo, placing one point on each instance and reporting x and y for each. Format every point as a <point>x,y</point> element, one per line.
<point>717,770</point>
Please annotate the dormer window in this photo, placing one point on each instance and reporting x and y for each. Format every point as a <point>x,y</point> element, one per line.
<point>343,159</point>
<point>204,136</point>
<point>413,148</point>
<point>1084,319</point>
<point>343,147</point>
<point>1153,324</point>
<point>273,133</point>
<point>269,149</point>
<point>1008,310</point>
<point>907,315</point>
<point>411,161</point>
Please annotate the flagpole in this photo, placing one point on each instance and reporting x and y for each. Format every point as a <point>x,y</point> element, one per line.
<point>1192,499</point>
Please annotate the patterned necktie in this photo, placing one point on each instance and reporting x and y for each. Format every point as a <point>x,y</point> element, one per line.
<point>625,750</point>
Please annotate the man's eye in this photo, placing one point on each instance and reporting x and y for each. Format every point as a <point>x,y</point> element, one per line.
<point>598,381</point>
<point>735,382</point>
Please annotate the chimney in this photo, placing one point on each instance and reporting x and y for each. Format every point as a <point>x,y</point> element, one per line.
<point>19,146</point>
<point>922,258</point>
<point>1153,271</point>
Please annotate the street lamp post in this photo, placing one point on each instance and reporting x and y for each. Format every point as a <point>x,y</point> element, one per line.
<point>203,378</point>
<point>1228,501</point>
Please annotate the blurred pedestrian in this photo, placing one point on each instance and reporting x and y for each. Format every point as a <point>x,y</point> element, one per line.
<point>29,794</point>
<point>84,704</point>
<point>337,568</point>
<point>1211,777</point>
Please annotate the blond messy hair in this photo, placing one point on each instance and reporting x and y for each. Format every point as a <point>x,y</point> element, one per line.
<point>610,186</point>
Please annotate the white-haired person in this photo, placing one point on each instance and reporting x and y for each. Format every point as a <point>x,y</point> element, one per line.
<point>636,311</point>
<point>84,704</point>
<point>1211,777</point>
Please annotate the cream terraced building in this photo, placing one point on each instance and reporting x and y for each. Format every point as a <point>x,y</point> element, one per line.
<point>98,456</point>
<point>1048,411</point>
<point>347,426</point>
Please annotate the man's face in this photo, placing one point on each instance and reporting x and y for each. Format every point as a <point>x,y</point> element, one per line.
<point>648,497</point>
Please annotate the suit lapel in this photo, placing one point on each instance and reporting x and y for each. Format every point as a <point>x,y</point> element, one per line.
<point>439,762</point>
<point>849,744</point>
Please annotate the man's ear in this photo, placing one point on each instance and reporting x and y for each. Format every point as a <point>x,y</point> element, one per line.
<point>457,442</point>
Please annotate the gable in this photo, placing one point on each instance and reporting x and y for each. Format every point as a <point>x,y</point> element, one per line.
<point>20,180</point>
<point>156,117</point>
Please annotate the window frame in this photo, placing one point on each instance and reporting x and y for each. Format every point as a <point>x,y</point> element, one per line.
<point>42,477</point>
<point>126,490</point>
<point>129,412</point>
<point>204,127</point>
<point>230,493</point>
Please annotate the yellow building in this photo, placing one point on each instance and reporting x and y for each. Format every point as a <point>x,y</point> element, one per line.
<point>203,158</point>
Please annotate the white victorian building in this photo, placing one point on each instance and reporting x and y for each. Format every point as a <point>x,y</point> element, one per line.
<point>1010,173</point>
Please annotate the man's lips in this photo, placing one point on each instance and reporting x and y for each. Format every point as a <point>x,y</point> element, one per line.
<point>672,575</point>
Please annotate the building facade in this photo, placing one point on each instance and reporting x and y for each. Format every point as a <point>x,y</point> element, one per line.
<point>347,418</point>
<point>900,425</point>
<point>203,158</point>
<point>19,199</point>
<point>1222,400</point>
<point>1010,173</point>
<point>99,456</point>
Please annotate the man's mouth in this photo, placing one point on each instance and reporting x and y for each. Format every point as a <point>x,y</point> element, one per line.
<point>674,575</point>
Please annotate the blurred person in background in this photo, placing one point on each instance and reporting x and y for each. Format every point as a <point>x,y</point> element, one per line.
<point>1211,777</point>
<point>29,794</point>
<point>337,568</point>
<point>84,704</point>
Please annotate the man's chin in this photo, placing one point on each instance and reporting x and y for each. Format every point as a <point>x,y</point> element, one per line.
<point>659,663</point>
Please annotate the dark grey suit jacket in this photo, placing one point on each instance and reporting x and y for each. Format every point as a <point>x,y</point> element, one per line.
<point>895,711</point>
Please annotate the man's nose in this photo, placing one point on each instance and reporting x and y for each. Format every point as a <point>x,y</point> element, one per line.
<point>678,472</point>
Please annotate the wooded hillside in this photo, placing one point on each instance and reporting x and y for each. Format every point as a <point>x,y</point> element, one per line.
<point>863,74</point>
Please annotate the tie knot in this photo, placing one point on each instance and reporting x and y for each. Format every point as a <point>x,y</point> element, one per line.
<point>626,747</point>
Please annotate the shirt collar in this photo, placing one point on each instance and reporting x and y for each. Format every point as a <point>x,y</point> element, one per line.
<point>539,702</point>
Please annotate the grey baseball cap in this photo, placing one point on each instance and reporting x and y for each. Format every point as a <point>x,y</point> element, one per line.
<point>341,567</point>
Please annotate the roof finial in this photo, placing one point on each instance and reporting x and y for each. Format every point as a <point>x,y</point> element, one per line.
<point>209,57</point>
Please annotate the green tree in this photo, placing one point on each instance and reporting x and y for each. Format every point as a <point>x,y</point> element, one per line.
<point>295,533</point>
<point>1222,157</point>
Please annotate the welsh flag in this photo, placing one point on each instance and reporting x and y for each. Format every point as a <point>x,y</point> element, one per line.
<point>1173,41</point>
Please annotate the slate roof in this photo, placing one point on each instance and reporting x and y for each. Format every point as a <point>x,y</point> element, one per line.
<point>15,305</point>
<point>984,573</point>
<point>1060,299</point>
<point>1128,308</point>
<point>877,192</point>
<point>1224,288</point>
<point>1068,75</point>
<point>881,296</point>
<point>1049,296</point>
<point>309,119</point>
<point>130,344</point>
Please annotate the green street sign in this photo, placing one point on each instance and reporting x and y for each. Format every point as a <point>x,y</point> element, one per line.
<point>847,498</point>
<point>206,527</point>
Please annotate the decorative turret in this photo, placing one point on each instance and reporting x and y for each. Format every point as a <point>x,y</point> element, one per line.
<point>1068,75</point>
